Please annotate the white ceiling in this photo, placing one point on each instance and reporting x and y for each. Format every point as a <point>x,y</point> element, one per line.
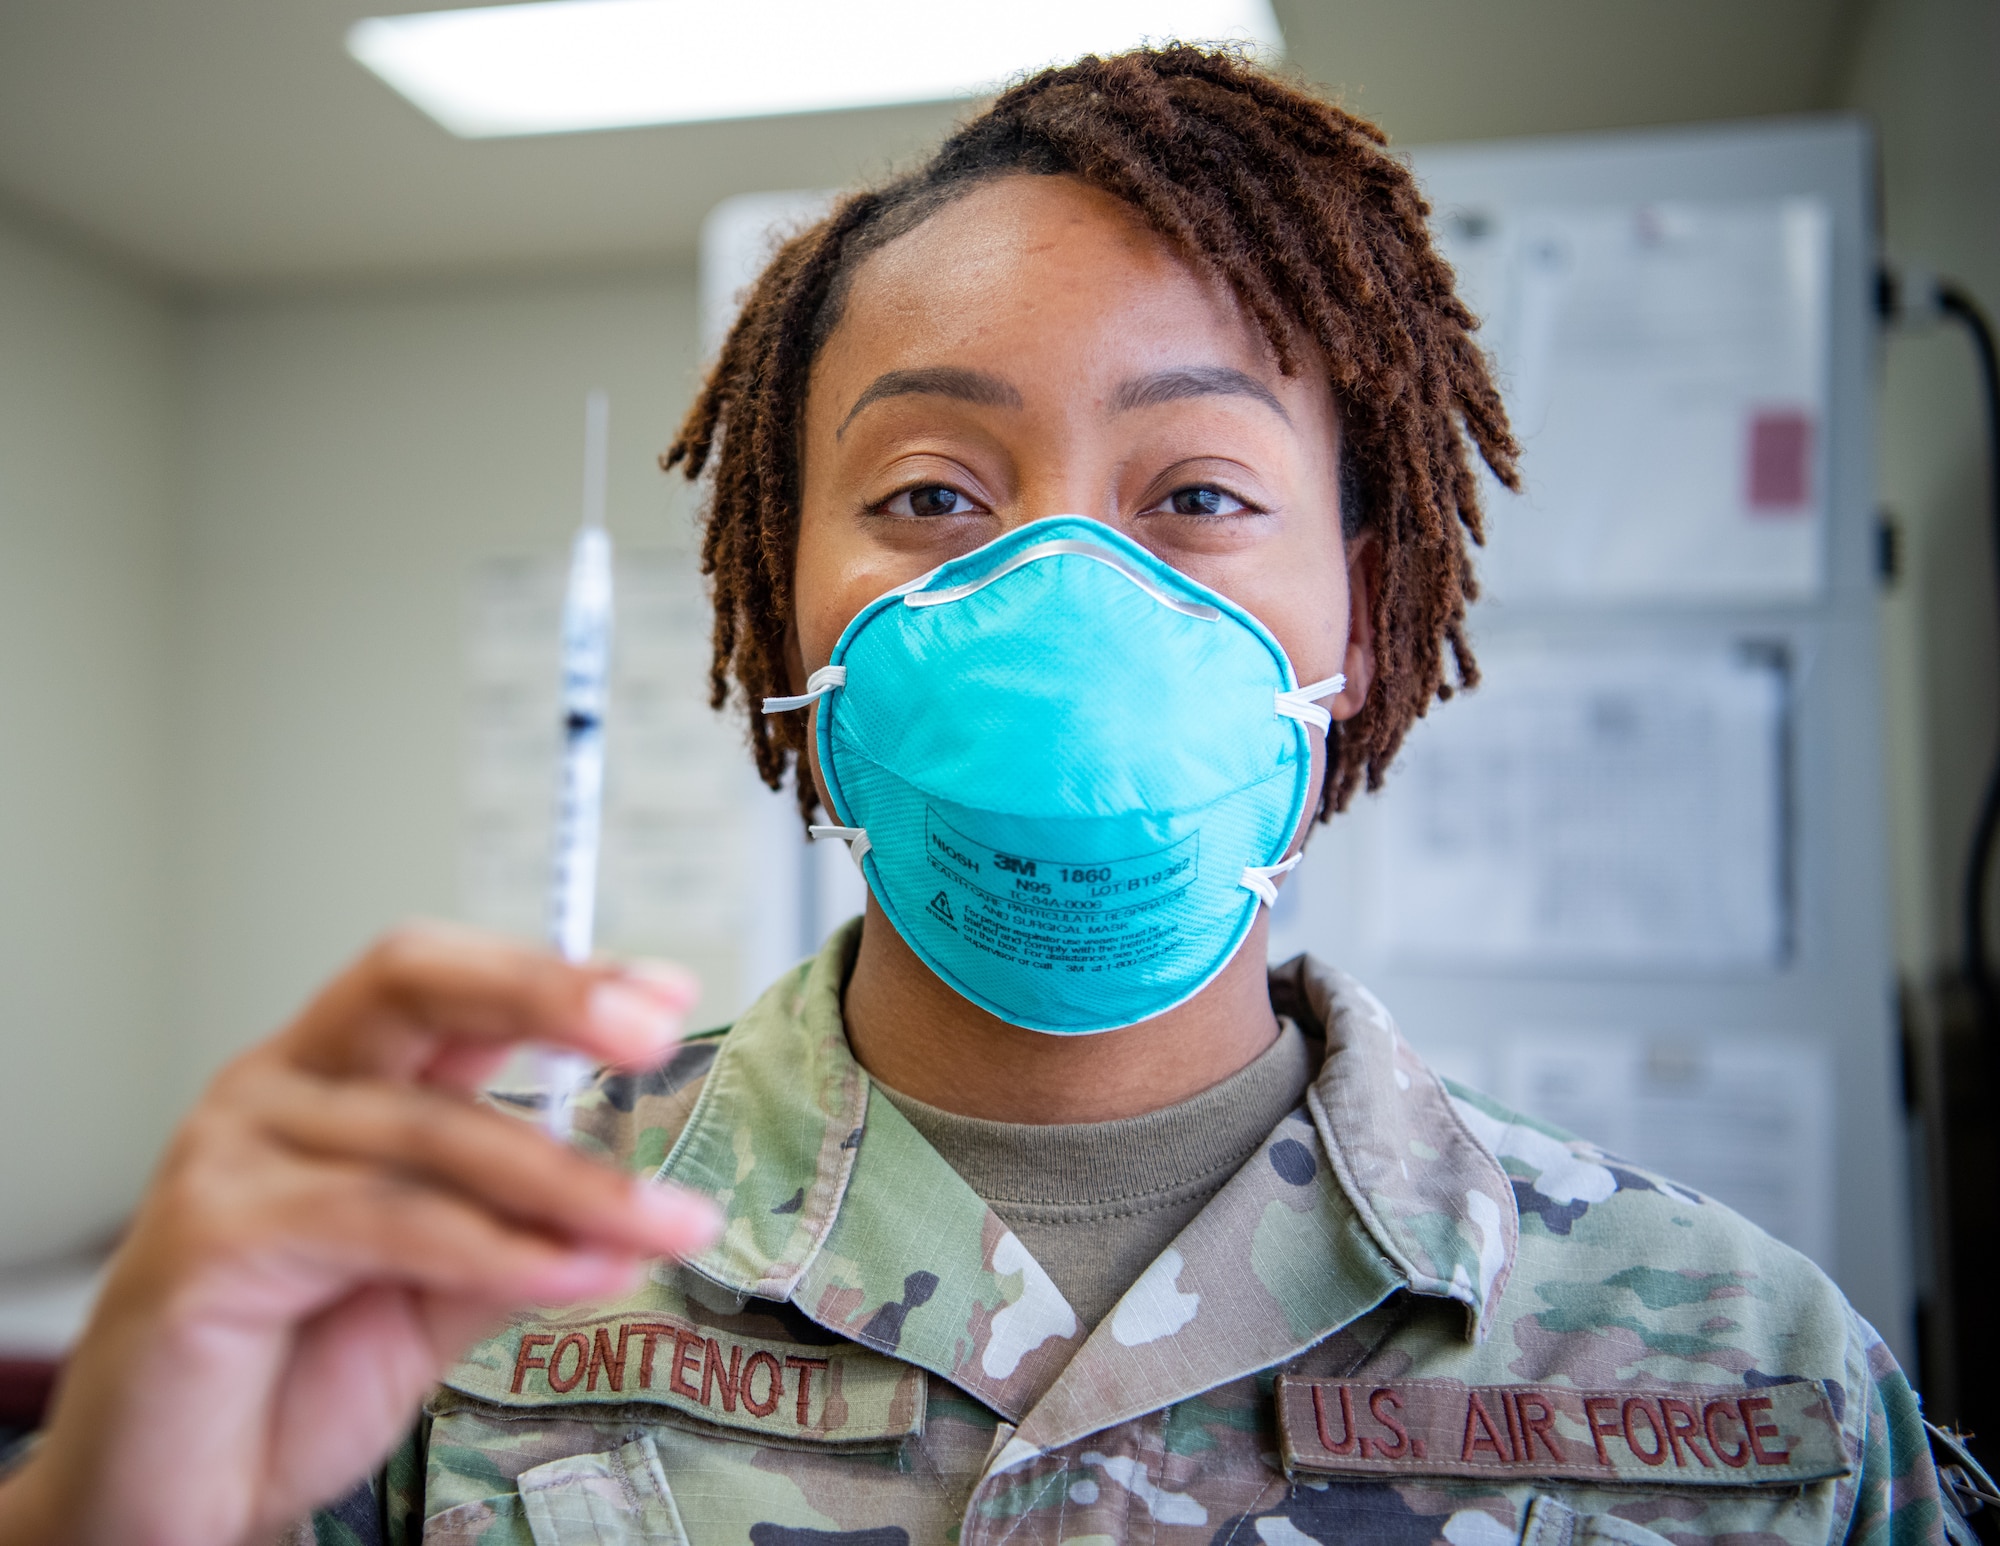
<point>232,143</point>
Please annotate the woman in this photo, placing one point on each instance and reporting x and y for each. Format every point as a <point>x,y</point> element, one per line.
<point>1089,515</point>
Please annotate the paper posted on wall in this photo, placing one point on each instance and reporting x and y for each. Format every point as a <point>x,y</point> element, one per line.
<point>512,736</point>
<point>1748,1120</point>
<point>1619,808</point>
<point>1665,367</point>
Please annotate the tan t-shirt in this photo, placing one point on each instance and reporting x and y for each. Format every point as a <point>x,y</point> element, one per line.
<point>1096,1202</point>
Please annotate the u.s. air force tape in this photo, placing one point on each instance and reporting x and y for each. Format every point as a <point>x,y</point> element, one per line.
<point>836,1393</point>
<point>1703,1435</point>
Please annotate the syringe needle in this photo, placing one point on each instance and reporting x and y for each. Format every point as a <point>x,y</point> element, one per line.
<point>596,455</point>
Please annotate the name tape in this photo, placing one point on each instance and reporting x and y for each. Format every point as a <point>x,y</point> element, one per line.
<point>837,1393</point>
<point>1716,1436</point>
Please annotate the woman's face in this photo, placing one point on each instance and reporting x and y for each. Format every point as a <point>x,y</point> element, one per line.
<point>1033,349</point>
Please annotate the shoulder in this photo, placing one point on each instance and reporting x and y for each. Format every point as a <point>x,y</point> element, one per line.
<point>1626,1279</point>
<point>1584,1210</point>
<point>1605,1242</point>
<point>634,1118</point>
<point>1673,1345</point>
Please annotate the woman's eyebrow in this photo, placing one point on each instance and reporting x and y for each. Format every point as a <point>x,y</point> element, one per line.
<point>968,386</point>
<point>1167,386</point>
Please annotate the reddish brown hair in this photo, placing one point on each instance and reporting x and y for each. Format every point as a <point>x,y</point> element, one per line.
<point>1318,231</point>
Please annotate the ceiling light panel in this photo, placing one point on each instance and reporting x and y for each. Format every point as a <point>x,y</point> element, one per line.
<point>557,66</point>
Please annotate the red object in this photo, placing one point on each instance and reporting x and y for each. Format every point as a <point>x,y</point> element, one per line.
<point>25,1387</point>
<point>1780,462</point>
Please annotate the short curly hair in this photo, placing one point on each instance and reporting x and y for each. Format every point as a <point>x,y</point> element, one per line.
<point>1320,233</point>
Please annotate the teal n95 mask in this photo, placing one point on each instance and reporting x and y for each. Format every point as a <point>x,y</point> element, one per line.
<point>1068,772</point>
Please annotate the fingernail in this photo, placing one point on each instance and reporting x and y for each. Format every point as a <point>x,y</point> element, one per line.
<point>687,1220</point>
<point>629,1015</point>
<point>666,981</point>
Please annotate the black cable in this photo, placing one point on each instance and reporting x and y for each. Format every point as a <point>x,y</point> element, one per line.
<point>1968,1220</point>
<point>1978,967</point>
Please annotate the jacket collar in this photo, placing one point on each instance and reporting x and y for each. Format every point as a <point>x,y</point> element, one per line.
<point>834,1202</point>
<point>774,1134</point>
<point>1436,1199</point>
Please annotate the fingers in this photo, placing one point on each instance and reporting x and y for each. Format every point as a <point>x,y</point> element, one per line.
<point>328,1225</point>
<point>288,1190</point>
<point>420,997</point>
<point>465,1066</point>
<point>504,1165</point>
<point>370,1225</point>
<point>380,1227</point>
<point>409,1337</point>
<point>350,1094</point>
<point>305,1231</point>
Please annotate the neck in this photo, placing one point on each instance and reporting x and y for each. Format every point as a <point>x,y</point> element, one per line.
<point>912,1032</point>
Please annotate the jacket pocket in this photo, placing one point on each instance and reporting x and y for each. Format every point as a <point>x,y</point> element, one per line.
<point>1552,1522</point>
<point>618,1497</point>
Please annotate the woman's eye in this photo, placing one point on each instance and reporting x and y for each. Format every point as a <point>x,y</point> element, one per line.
<point>928,500</point>
<point>1203,500</point>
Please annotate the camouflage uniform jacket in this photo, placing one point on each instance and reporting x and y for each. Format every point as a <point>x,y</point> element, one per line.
<point>1412,1316</point>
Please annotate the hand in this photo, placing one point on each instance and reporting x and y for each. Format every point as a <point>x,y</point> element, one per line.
<point>336,1221</point>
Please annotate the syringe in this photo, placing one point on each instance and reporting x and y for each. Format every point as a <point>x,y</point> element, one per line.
<point>586,661</point>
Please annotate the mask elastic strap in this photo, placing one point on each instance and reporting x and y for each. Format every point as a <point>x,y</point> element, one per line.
<point>1262,879</point>
<point>1297,704</point>
<point>856,839</point>
<point>818,685</point>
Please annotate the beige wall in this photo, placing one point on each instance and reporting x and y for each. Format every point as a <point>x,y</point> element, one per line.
<point>351,457</point>
<point>1928,73</point>
<point>88,467</point>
